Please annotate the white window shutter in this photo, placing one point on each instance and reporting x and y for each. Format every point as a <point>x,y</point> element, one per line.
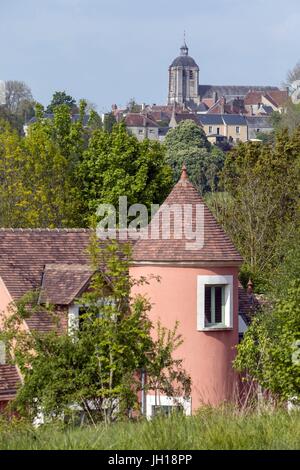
<point>2,353</point>
<point>73,318</point>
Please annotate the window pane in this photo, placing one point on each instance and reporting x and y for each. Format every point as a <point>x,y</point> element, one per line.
<point>165,410</point>
<point>218,304</point>
<point>207,301</point>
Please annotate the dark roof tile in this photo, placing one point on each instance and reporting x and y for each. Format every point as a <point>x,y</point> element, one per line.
<point>9,381</point>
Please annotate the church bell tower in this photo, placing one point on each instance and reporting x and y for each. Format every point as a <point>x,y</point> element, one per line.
<point>184,80</point>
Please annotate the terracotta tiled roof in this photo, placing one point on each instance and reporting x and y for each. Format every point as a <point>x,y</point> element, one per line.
<point>44,322</point>
<point>279,96</point>
<point>276,97</point>
<point>139,120</point>
<point>62,283</point>
<point>253,97</point>
<point>270,100</point>
<point>24,253</point>
<point>217,246</point>
<point>9,381</point>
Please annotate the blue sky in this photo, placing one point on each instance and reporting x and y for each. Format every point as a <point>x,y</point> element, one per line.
<point>111,50</point>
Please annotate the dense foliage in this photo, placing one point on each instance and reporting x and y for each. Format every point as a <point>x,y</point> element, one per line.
<point>58,174</point>
<point>59,98</point>
<point>37,172</point>
<point>187,143</point>
<point>260,206</point>
<point>116,164</point>
<point>270,351</point>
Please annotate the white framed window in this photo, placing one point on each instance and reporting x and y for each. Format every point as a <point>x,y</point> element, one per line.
<point>237,129</point>
<point>210,129</point>
<point>214,302</point>
<point>167,405</point>
<point>75,311</point>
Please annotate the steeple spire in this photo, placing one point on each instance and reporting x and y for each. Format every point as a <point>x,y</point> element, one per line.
<point>184,50</point>
<point>184,175</point>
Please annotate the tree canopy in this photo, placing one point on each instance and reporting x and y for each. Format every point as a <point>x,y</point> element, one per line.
<point>260,210</point>
<point>187,143</point>
<point>39,187</point>
<point>59,98</point>
<point>117,164</point>
<point>270,350</point>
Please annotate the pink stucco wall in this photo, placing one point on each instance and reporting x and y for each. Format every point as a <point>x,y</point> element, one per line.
<point>207,355</point>
<point>5,300</point>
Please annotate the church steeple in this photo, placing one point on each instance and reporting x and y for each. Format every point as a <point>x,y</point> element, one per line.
<point>184,79</point>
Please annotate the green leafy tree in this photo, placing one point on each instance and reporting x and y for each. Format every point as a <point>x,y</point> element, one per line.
<point>187,143</point>
<point>117,164</point>
<point>98,365</point>
<point>95,121</point>
<point>287,271</point>
<point>54,148</point>
<point>59,98</point>
<point>290,119</point>
<point>260,210</point>
<point>109,122</point>
<point>270,350</point>
<point>13,191</point>
<point>266,137</point>
<point>187,133</point>
<point>39,186</point>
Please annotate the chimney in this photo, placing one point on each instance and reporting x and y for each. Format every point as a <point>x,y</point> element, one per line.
<point>250,287</point>
<point>2,353</point>
<point>215,97</point>
<point>223,102</point>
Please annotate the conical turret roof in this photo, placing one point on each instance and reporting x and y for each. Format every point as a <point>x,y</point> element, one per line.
<point>210,243</point>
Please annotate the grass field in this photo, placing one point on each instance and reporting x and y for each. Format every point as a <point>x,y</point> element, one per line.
<point>210,429</point>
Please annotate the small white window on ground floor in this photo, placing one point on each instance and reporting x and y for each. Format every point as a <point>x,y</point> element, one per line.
<point>167,405</point>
